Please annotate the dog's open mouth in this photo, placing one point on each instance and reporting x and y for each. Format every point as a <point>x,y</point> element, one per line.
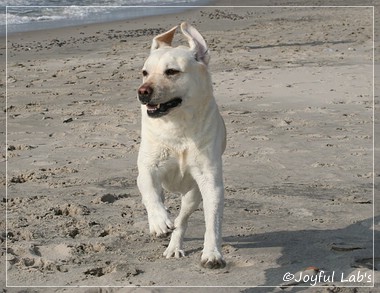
<point>158,110</point>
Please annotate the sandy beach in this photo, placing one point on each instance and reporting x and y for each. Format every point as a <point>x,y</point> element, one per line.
<point>295,88</point>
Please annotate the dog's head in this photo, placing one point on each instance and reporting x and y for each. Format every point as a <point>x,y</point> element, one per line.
<point>173,76</point>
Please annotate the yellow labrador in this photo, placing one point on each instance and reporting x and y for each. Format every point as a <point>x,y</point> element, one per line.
<point>183,137</point>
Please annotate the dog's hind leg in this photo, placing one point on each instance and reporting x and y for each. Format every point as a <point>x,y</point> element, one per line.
<point>190,202</point>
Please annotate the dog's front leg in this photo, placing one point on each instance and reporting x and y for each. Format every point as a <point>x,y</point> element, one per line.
<point>151,191</point>
<point>210,182</point>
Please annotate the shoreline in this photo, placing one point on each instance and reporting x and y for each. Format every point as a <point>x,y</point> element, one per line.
<point>133,24</point>
<point>65,24</point>
<point>187,11</point>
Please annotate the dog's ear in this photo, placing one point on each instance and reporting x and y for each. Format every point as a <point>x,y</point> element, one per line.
<point>164,39</point>
<point>196,42</point>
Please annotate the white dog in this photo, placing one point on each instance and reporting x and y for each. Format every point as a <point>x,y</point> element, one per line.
<point>183,138</point>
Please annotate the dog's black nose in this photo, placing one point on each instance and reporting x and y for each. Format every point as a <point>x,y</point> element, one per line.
<point>145,93</point>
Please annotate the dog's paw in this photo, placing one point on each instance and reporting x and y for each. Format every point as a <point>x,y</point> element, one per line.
<point>173,252</point>
<point>159,223</point>
<point>175,246</point>
<point>212,260</point>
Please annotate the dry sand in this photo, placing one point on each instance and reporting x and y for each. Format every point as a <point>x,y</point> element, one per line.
<point>294,86</point>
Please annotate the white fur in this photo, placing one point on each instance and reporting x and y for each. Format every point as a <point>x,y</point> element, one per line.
<point>182,151</point>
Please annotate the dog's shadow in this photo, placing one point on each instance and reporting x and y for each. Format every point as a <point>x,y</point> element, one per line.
<point>338,250</point>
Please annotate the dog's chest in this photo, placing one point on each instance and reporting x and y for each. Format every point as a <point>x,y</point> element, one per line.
<point>170,157</point>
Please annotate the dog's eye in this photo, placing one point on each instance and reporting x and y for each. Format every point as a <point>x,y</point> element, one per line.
<point>171,71</point>
<point>145,73</point>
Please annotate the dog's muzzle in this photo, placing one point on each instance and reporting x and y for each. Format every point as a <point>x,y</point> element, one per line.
<point>159,110</point>
<point>145,93</point>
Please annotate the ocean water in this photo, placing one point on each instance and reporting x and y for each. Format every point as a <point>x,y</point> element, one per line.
<point>28,15</point>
